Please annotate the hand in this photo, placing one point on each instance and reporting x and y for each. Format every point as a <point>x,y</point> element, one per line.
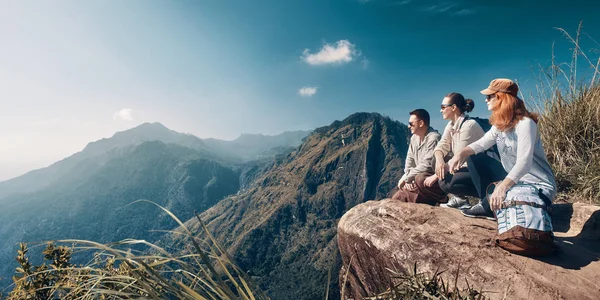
<point>411,187</point>
<point>498,196</point>
<point>441,169</point>
<point>401,183</point>
<point>431,180</point>
<point>455,163</point>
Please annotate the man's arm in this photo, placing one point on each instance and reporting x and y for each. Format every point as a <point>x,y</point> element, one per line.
<point>408,165</point>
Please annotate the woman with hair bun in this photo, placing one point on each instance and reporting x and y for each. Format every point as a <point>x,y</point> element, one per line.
<point>460,132</point>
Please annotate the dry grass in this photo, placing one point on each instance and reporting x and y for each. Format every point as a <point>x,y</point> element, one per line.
<point>419,286</point>
<point>117,272</point>
<point>570,121</point>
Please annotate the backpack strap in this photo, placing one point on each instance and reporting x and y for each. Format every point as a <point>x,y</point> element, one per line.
<point>463,121</point>
<point>515,203</point>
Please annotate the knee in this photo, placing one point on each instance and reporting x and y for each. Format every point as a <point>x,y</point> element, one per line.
<point>445,185</point>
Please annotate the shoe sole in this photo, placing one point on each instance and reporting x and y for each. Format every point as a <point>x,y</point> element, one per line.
<point>464,206</point>
<point>478,217</point>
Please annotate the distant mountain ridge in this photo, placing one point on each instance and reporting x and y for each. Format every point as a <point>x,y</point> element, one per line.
<point>94,155</point>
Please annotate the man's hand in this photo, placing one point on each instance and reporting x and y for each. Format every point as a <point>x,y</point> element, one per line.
<point>441,169</point>
<point>401,183</point>
<point>431,180</point>
<point>411,187</point>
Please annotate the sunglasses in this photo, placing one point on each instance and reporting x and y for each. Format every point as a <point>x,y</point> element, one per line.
<point>446,105</point>
<point>490,97</point>
<point>411,124</point>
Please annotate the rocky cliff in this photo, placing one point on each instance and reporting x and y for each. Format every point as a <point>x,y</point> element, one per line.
<point>379,235</point>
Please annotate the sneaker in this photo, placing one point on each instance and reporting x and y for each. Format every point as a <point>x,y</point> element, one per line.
<point>456,202</point>
<point>477,211</point>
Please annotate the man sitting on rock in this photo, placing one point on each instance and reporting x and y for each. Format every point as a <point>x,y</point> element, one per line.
<point>418,164</point>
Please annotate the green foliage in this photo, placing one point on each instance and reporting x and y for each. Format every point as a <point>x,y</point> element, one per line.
<point>117,272</point>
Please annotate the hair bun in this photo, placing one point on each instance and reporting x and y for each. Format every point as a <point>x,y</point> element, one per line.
<point>469,105</point>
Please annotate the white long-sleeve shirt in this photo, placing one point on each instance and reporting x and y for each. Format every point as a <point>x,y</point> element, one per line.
<point>522,155</point>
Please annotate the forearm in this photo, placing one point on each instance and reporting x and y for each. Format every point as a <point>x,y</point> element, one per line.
<point>465,153</point>
<point>507,183</point>
<point>439,157</point>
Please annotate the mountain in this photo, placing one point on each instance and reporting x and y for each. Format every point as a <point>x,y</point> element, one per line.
<point>96,154</point>
<point>96,207</point>
<point>257,146</point>
<point>282,228</point>
<point>86,195</point>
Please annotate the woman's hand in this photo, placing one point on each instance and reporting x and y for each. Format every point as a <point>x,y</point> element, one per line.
<point>499,195</point>
<point>455,163</point>
<point>431,180</point>
<point>459,159</point>
<point>441,168</point>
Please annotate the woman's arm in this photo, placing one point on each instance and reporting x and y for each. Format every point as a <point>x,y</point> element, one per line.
<point>485,142</point>
<point>526,131</point>
<point>459,159</point>
<point>444,146</point>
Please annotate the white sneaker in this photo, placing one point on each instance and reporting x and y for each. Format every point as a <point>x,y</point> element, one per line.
<point>456,202</point>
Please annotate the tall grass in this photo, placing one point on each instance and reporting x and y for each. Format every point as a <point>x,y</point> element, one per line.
<point>117,272</point>
<point>570,120</point>
<point>421,286</point>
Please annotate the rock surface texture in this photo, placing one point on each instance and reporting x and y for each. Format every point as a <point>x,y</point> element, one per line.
<point>379,235</point>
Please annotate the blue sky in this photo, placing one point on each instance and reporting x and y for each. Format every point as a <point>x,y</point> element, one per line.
<point>72,72</point>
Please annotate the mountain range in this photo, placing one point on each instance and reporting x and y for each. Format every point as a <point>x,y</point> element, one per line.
<point>272,201</point>
<point>88,195</point>
<point>282,229</point>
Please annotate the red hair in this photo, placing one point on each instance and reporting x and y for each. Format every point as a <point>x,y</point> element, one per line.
<point>509,111</point>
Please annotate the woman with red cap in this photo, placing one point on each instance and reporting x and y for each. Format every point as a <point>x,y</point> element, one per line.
<point>527,180</point>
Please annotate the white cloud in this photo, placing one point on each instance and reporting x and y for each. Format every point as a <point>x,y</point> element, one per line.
<point>123,114</point>
<point>465,12</point>
<point>449,8</point>
<point>342,52</point>
<point>307,91</point>
<point>439,8</point>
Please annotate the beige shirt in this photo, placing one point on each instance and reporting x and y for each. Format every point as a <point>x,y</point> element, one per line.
<point>420,154</point>
<point>457,136</point>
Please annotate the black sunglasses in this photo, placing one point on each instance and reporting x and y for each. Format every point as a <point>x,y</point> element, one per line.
<point>410,124</point>
<point>446,105</point>
<point>490,97</point>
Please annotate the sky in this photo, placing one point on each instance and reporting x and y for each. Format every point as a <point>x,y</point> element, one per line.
<point>72,72</point>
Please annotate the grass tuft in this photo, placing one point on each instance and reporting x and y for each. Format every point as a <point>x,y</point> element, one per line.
<point>118,272</point>
<point>570,121</point>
